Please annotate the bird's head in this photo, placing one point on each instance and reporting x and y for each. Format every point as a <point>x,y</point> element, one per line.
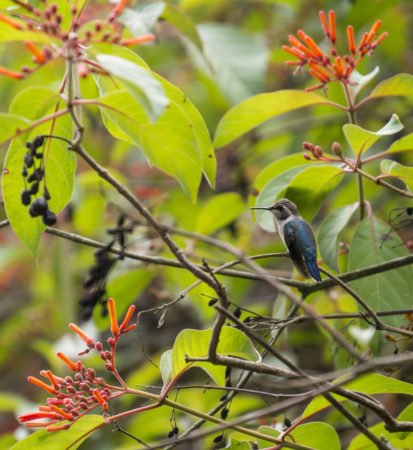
<point>281,209</point>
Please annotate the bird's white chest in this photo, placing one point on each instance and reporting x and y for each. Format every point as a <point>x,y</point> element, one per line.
<point>280,224</point>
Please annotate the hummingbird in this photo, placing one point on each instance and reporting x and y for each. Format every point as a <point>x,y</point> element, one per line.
<point>297,236</point>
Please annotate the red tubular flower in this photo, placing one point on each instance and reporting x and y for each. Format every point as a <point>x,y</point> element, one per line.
<point>137,40</point>
<point>114,326</point>
<point>331,66</point>
<point>42,385</point>
<point>128,316</point>
<point>38,56</point>
<point>10,22</point>
<point>72,365</point>
<point>85,338</point>
<point>102,402</point>
<point>11,73</point>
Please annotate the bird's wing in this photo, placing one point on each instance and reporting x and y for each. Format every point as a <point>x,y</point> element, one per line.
<point>306,241</point>
<point>292,241</point>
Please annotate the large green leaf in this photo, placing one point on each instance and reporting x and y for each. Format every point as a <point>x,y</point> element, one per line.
<point>219,211</point>
<point>63,440</point>
<point>360,140</point>
<point>60,165</point>
<point>9,34</point>
<point>258,109</point>
<point>238,59</point>
<point>372,384</point>
<point>399,85</point>
<point>178,142</point>
<point>394,169</point>
<point>330,231</point>
<point>388,290</point>
<point>310,187</point>
<point>195,344</point>
<point>140,83</point>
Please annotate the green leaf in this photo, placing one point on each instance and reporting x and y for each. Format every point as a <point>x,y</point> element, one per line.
<point>63,440</point>
<point>140,83</point>
<point>360,140</point>
<point>182,22</point>
<point>33,102</point>
<point>359,81</point>
<point>385,291</point>
<point>234,444</point>
<point>330,231</point>
<point>238,59</point>
<point>183,150</point>
<point>60,166</point>
<point>399,85</point>
<point>258,109</point>
<point>219,211</point>
<point>10,124</point>
<point>309,188</point>
<point>372,384</point>
<point>165,366</point>
<point>403,144</point>
<point>195,344</point>
<point>396,170</point>
<point>318,435</point>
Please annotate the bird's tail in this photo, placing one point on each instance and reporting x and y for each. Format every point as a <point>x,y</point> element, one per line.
<point>313,270</point>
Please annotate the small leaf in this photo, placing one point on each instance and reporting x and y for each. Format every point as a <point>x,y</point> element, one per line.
<point>234,444</point>
<point>360,140</point>
<point>330,231</point>
<point>9,34</point>
<point>63,439</point>
<point>396,170</point>
<point>390,290</point>
<point>195,344</point>
<point>317,435</point>
<point>219,211</point>
<point>403,144</point>
<point>165,366</point>
<point>309,188</point>
<point>358,81</point>
<point>143,18</point>
<point>258,109</point>
<point>144,87</point>
<point>371,384</point>
<point>182,22</point>
<point>399,85</point>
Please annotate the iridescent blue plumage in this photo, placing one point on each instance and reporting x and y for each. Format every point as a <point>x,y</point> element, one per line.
<point>299,240</point>
<point>297,237</point>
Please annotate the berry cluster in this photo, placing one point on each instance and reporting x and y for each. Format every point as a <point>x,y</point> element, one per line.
<point>316,152</point>
<point>34,182</point>
<point>104,262</point>
<point>76,395</point>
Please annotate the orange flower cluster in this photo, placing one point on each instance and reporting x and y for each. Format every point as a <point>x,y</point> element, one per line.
<point>74,396</point>
<point>331,66</point>
<point>74,42</point>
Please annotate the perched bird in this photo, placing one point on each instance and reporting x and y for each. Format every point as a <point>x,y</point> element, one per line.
<point>297,237</point>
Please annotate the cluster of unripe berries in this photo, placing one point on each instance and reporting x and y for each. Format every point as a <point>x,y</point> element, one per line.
<point>316,151</point>
<point>34,177</point>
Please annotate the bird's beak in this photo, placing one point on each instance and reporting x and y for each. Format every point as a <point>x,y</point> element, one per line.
<point>261,207</point>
